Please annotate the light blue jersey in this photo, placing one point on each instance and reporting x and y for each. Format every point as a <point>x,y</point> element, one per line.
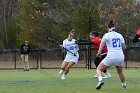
<point>73,47</point>
<point>114,43</point>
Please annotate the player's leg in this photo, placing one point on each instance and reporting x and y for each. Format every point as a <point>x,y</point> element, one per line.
<point>107,74</point>
<point>70,64</point>
<point>63,66</point>
<point>99,70</point>
<point>121,76</point>
<point>27,62</point>
<point>72,60</point>
<point>68,67</point>
<point>97,61</point>
<point>23,61</point>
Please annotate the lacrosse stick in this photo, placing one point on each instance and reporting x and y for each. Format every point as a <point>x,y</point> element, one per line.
<point>53,41</point>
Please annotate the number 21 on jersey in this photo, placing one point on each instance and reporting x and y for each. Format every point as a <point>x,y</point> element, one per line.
<point>116,42</point>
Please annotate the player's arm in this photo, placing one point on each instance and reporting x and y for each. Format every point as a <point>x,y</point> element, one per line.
<point>123,44</point>
<point>104,40</point>
<point>77,48</point>
<point>63,47</point>
<point>84,42</point>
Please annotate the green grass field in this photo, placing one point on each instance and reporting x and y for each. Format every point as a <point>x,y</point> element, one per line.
<point>78,81</point>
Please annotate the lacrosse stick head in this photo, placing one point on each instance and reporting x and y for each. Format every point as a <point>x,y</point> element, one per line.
<point>72,33</point>
<point>73,30</point>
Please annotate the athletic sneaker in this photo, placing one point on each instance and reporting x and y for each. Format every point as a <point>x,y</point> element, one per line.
<point>63,77</point>
<point>124,86</point>
<point>61,72</point>
<point>95,76</point>
<point>99,85</point>
<point>107,75</point>
<point>104,77</point>
<point>26,70</point>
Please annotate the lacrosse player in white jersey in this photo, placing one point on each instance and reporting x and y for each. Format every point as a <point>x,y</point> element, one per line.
<point>115,57</point>
<point>72,55</point>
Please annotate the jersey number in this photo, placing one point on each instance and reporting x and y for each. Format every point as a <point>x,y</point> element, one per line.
<point>116,42</point>
<point>72,48</point>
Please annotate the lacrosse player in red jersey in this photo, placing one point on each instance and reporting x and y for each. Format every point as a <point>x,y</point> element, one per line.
<point>96,40</point>
<point>137,36</point>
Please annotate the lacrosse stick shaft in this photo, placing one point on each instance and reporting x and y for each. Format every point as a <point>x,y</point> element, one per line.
<point>69,51</point>
<point>61,46</point>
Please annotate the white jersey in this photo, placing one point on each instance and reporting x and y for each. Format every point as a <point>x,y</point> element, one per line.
<point>114,42</point>
<point>71,46</point>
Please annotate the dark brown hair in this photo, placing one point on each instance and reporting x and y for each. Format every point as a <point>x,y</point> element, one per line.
<point>111,24</point>
<point>94,33</point>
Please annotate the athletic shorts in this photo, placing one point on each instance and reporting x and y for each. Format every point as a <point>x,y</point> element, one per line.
<point>117,61</point>
<point>70,58</point>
